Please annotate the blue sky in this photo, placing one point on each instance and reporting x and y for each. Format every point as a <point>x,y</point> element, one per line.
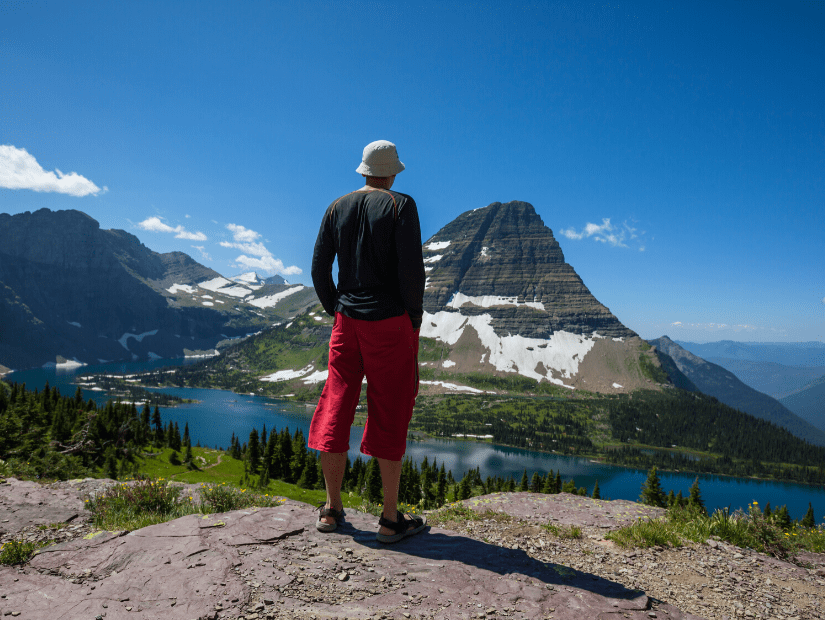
<point>676,150</point>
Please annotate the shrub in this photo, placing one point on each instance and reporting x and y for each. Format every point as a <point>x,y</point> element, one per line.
<point>221,498</point>
<point>16,552</point>
<point>141,503</point>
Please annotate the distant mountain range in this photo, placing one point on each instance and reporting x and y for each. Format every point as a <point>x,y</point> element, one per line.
<point>791,372</point>
<point>73,293</point>
<point>714,380</point>
<point>810,354</point>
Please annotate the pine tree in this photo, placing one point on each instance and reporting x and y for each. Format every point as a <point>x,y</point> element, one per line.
<point>547,487</point>
<point>767,511</point>
<point>176,438</point>
<point>187,457</point>
<point>783,518</point>
<point>511,484</point>
<point>465,490</point>
<point>523,486</point>
<point>186,434</point>
<point>170,435</point>
<point>441,492</point>
<point>309,476</point>
<point>808,520</point>
<point>374,492</point>
<point>535,483</point>
<point>158,424</point>
<point>111,464</point>
<point>671,499</point>
<point>285,442</point>
<point>299,453</point>
<point>557,484</point>
<point>426,488</point>
<point>596,494</point>
<point>254,451</point>
<point>569,487</point>
<point>145,423</point>
<point>652,493</point>
<point>695,499</point>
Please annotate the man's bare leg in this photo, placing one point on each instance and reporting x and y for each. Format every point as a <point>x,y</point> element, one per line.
<point>390,480</point>
<point>333,464</point>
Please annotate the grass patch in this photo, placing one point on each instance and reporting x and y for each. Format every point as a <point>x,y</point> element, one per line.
<point>647,533</point>
<point>751,530</point>
<point>17,552</point>
<point>571,532</point>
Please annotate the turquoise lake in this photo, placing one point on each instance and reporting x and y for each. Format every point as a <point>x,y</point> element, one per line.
<point>220,413</point>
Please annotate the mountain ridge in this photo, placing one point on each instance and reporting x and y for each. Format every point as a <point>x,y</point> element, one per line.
<point>71,290</point>
<point>722,384</point>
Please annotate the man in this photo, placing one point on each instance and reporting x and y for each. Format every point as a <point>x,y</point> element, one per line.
<point>375,234</point>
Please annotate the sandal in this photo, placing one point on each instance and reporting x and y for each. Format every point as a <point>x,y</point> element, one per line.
<point>403,527</point>
<point>322,526</point>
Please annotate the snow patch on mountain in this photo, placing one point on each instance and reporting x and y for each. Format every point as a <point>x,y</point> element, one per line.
<point>561,352</point>
<point>271,300</point>
<point>286,375</point>
<point>224,287</point>
<point>454,387</point>
<point>437,245</point>
<point>487,301</point>
<point>124,339</point>
<point>181,287</point>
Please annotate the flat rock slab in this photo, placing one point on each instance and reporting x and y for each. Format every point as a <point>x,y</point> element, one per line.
<point>24,503</point>
<point>273,563</point>
<point>564,509</point>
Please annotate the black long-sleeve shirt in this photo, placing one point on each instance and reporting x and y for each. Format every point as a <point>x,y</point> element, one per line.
<point>377,238</point>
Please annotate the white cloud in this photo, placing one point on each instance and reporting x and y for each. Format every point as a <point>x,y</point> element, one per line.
<point>606,232</point>
<point>20,170</point>
<point>203,252</point>
<point>256,249</point>
<point>269,264</point>
<point>716,326</point>
<point>246,240</point>
<point>241,234</point>
<point>155,224</point>
<point>823,300</point>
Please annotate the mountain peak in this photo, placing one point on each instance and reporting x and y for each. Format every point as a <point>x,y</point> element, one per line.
<point>502,259</point>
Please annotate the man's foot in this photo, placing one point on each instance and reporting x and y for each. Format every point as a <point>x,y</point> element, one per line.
<point>403,526</point>
<point>329,518</point>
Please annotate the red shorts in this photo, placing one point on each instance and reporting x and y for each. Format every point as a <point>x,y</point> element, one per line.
<point>386,352</point>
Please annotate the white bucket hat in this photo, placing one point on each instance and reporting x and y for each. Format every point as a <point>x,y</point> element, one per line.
<point>380,159</point>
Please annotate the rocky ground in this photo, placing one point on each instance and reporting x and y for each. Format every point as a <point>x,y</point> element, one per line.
<point>272,563</point>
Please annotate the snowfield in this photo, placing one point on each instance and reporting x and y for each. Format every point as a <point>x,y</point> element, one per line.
<point>271,300</point>
<point>487,301</point>
<point>181,287</point>
<point>561,352</point>
<point>286,375</point>
<point>124,339</point>
<point>454,387</point>
<point>437,245</point>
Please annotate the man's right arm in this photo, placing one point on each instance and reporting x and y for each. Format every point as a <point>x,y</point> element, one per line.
<point>322,260</point>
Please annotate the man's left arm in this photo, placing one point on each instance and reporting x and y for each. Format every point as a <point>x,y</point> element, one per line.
<point>322,260</point>
<point>411,274</point>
